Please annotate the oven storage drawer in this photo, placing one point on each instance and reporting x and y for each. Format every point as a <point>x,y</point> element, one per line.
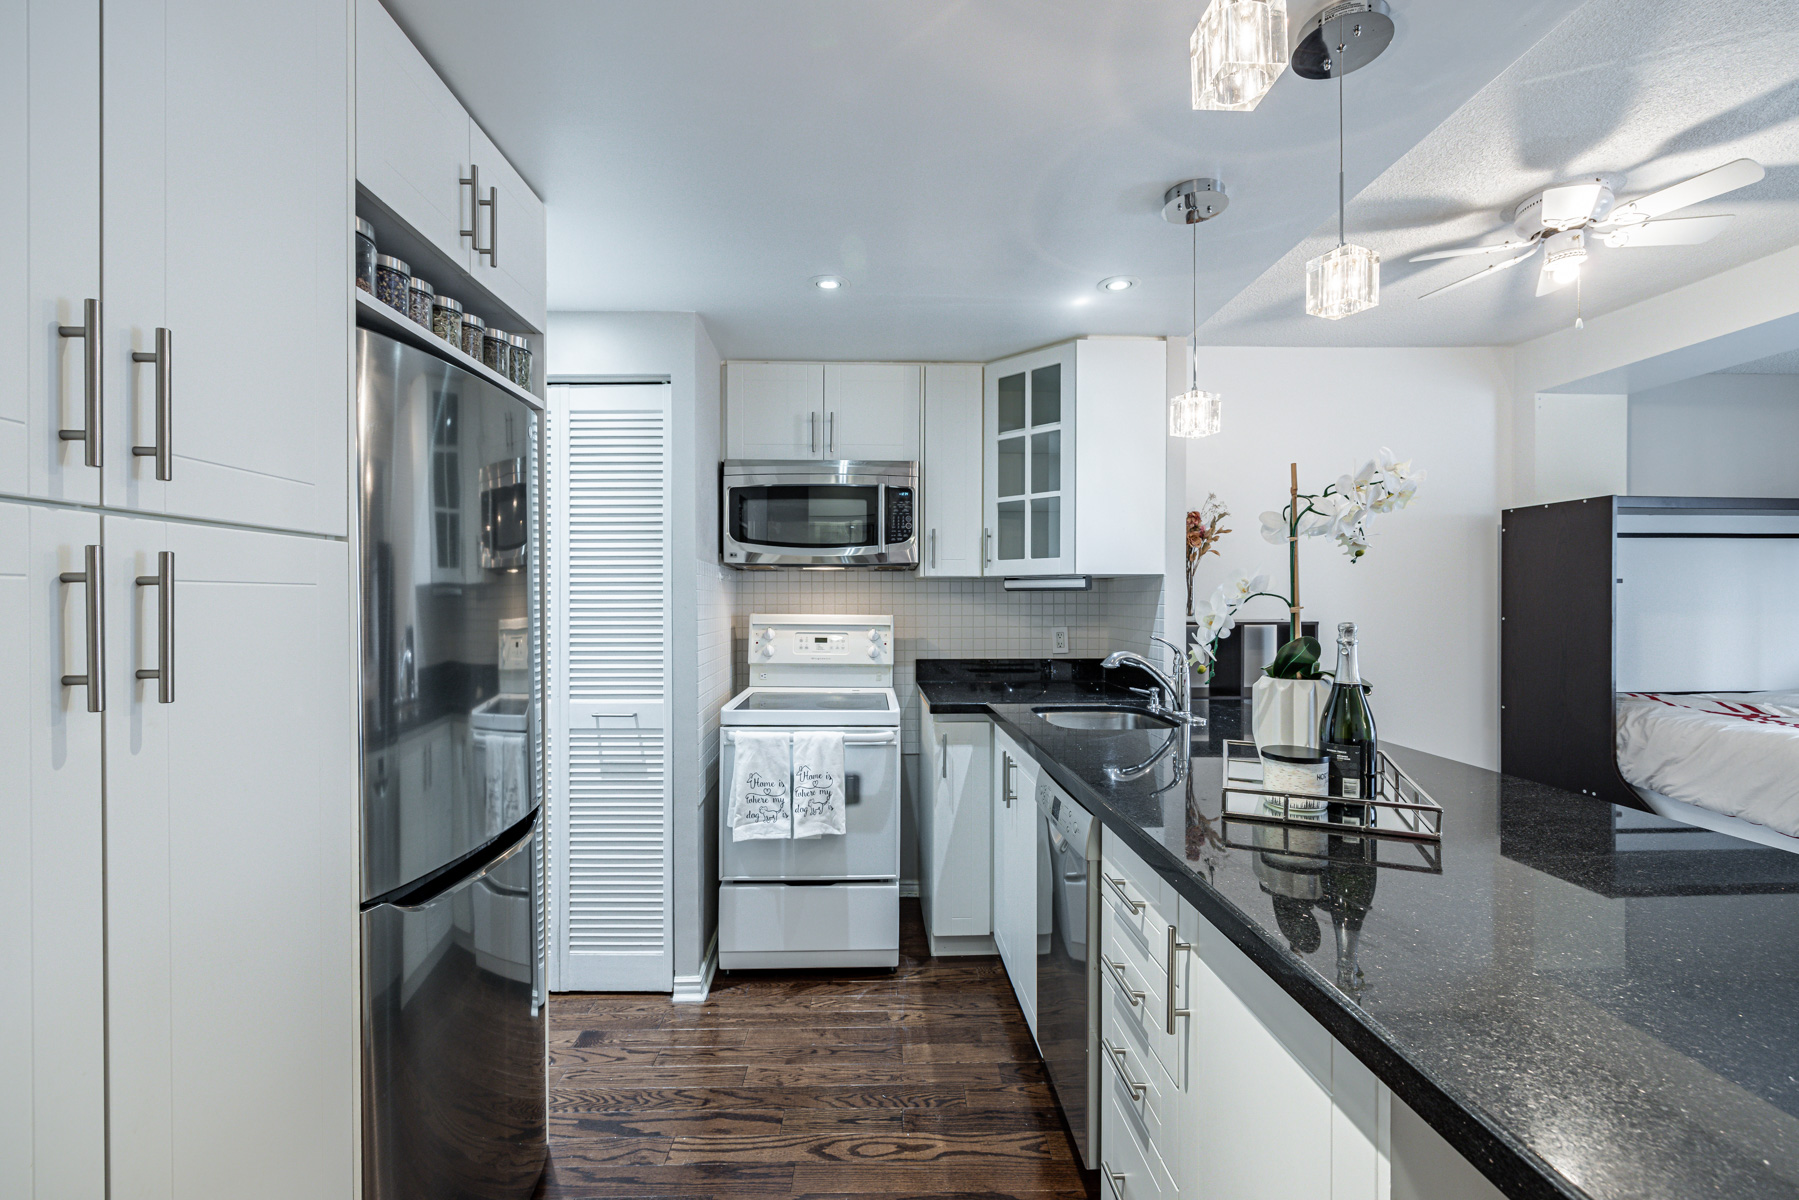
<point>798,925</point>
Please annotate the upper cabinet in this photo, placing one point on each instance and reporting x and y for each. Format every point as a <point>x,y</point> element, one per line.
<point>1075,478</point>
<point>226,334</point>
<point>51,383</point>
<point>866,412</point>
<point>422,157</point>
<point>951,470</point>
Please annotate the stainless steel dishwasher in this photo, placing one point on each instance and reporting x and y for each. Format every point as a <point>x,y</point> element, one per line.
<point>1067,983</point>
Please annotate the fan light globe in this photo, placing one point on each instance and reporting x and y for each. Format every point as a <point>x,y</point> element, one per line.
<point>1239,49</point>
<point>1196,414</point>
<point>1342,282</point>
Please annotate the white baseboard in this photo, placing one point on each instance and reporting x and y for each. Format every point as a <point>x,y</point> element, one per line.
<point>908,887</point>
<point>693,989</point>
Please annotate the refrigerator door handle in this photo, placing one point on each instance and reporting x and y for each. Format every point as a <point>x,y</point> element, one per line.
<point>418,896</point>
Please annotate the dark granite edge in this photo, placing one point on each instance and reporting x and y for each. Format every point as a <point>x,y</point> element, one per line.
<point>1494,1151</point>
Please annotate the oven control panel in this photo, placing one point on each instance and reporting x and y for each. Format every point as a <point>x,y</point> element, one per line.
<point>822,642</point>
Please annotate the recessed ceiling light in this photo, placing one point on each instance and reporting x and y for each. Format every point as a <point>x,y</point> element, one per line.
<point>1116,283</point>
<point>827,283</point>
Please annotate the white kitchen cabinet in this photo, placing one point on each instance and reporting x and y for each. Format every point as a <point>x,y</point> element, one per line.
<point>511,261</point>
<point>231,848</point>
<point>226,223</point>
<point>1074,453</point>
<point>53,987</point>
<point>951,470</point>
<point>49,244</point>
<point>774,410</point>
<point>872,411</point>
<point>1015,870</point>
<point>412,136</point>
<point>955,833</point>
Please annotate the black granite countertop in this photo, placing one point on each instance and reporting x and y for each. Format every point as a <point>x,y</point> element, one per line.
<point>1585,1001</point>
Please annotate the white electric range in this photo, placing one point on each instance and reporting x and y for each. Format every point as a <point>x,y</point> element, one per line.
<point>828,901</point>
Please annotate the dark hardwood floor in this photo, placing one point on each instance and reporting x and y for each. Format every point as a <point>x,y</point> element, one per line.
<point>917,1082</point>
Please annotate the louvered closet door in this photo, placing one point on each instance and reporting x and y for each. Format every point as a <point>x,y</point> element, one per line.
<point>613,806</point>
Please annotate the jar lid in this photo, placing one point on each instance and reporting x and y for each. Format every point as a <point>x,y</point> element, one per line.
<point>365,229</point>
<point>419,285</point>
<point>469,319</point>
<point>446,302</point>
<point>392,263</point>
<point>1305,756</point>
<point>519,341</point>
<point>499,335</point>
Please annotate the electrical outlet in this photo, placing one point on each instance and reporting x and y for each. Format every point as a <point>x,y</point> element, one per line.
<point>1059,640</point>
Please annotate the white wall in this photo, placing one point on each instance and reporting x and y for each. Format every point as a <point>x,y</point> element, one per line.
<point>1717,435</point>
<point>676,347</point>
<point>1426,596</point>
<point>1582,445</point>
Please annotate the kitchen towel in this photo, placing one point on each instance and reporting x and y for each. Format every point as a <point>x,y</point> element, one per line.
<point>761,786</point>
<point>504,776</point>
<point>817,783</point>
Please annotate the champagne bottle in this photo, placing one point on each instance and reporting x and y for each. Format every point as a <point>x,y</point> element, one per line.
<point>1347,731</point>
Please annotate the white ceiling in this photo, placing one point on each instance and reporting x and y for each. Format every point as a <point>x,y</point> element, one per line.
<point>1654,90</point>
<point>972,167</point>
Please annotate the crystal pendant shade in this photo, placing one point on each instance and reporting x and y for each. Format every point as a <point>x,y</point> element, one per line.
<point>1239,49</point>
<point>1196,414</point>
<point>1342,282</point>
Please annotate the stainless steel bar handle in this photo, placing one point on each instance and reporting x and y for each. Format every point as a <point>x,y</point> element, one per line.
<point>1132,994</point>
<point>812,432</point>
<point>1005,777</point>
<point>472,181</point>
<point>95,679</point>
<point>831,432</point>
<point>493,226</point>
<point>987,547</point>
<point>1114,1179</point>
<point>164,583</point>
<point>1117,1053</point>
<point>89,332</point>
<point>933,549</point>
<point>1174,945</point>
<point>162,450</point>
<point>945,773</point>
<point>1117,885</point>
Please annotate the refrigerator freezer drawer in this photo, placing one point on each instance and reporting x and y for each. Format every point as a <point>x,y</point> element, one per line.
<point>763,925</point>
<point>453,1038</point>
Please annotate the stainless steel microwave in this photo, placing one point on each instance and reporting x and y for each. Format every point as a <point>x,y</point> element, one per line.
<point>779,513</point>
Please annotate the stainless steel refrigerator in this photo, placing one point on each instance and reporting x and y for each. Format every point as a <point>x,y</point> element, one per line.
<point>453,985</point>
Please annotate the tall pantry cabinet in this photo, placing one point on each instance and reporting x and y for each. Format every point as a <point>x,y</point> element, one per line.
<point>178,1006</point>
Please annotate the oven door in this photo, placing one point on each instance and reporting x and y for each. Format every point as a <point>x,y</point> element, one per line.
<point>869,846</point>
<point>845,515</point>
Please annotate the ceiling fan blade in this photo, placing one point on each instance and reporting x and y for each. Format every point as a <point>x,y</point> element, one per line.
<point>1669,231</point>
<point>1463,251</point>
<point>1566,207</point>
<point>1547,281</point>
<point>1715,182</point>
<point>1482,274</point>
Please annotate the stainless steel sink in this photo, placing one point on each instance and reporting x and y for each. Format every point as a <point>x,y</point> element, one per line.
<point>1102,718</point>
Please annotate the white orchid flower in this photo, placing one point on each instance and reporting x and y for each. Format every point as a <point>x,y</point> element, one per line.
<point>1314,525</point>
<point>1274,528</point>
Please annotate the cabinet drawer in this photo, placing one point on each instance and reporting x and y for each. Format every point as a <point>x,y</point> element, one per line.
<point>1146,1023</point>
<point>1131,1166</point>
<point>1136,922</point>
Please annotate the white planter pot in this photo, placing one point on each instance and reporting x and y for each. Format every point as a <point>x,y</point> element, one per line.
<point>1286,712</point>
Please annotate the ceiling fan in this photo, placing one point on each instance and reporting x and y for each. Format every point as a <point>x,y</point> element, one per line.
<point>1565,220</point>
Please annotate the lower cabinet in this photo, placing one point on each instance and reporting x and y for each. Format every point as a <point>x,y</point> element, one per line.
<point>180,1008</point>
<point>1016,854</point>
<point>955,832</point>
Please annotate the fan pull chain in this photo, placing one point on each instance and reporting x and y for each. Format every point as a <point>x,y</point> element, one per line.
<point>1579,320</point>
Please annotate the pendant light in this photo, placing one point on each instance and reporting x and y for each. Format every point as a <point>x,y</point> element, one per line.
<point>1194,413</point>
<point>1239,49</point>
<point>1346,280</point>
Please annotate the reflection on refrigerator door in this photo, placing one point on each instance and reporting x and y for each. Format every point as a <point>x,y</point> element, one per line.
<point>453,1103</point>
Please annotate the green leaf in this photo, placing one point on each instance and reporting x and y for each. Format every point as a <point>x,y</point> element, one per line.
<point>1298,659</point>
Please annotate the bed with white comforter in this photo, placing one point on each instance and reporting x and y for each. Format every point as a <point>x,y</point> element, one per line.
<point>1735,753</point>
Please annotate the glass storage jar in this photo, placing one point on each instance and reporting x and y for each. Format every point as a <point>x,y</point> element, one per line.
<point>496,351</point>
<point>365,256</point>
<point>393,282</point>
<point>521,362</point>
<point>473,330</point>
<point>446,320</point>
<point>422,296</point>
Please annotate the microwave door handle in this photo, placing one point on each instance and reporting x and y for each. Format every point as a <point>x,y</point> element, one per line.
<point>881,517</point>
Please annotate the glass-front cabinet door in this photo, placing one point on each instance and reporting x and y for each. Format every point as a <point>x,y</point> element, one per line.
<point>1029,477</point>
